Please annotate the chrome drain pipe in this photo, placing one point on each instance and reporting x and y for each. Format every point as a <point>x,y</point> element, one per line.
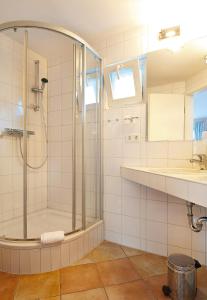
<point>194,226</point>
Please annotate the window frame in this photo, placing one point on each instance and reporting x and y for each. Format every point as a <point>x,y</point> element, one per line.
<point>134,65</point>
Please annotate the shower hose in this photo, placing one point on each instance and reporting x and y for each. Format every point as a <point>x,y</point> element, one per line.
<point>43,121</point>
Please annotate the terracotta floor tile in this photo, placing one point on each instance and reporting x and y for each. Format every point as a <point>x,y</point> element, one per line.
<point>106,251</point>
<point>38,286</point>
<point>155,283</point>
<point>51,298</point>
<point>8,283</point>
<point>136,290</point>
<point>131,251</point>
<point>202,283</point>
<point>96,294</point>
<point>149,264</point>
<point>79,278</point>
<point>117,271</point>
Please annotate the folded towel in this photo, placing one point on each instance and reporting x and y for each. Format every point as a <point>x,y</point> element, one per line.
<point>52,237</point>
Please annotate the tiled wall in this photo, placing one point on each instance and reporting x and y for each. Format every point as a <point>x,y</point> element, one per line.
<point>37,144</point>
<point>137,216</point>
<point>11,115</point>
<point>60,87</point>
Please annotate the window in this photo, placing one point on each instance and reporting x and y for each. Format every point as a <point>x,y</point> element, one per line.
<point>123,83</point>
<point>91,89</point>
<point>199,114</point>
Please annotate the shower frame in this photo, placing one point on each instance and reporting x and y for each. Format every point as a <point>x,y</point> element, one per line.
<point>85,46</point>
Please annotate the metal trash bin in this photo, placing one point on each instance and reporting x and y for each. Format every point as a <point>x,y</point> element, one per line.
<point>182,281</point>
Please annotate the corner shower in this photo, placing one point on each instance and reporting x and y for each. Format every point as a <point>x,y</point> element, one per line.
<point>50,131</point>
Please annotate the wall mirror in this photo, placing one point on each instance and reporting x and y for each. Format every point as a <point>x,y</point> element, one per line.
<point>176,93</point>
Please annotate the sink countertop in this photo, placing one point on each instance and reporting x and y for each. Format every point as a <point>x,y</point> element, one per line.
<point>185,183</point>
<point>194,175</point>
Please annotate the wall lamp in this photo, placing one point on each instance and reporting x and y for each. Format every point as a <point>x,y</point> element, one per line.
<point>169,32</point>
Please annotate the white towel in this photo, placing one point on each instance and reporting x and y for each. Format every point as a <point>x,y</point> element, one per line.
<point>52,237</point>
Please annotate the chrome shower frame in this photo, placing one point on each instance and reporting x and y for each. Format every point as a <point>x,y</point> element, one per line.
<point>58,29</point>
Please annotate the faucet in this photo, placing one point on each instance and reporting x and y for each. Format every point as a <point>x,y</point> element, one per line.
<point>202,161</point>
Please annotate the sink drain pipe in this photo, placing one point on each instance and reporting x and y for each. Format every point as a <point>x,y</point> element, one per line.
<point>195,225</point>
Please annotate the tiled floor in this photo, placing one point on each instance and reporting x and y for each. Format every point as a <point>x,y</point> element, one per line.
<point>110,272</point>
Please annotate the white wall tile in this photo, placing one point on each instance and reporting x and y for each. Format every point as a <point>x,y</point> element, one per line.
<point>179,236</point>
<point>113,236</point>
<point>180,150</point>
<point>177,214</point>
<point>15,261</point>
<point>45,259</point>
<point>55,257</point>
<point>131,206</point>
<point>113,222</point>
<point>130,189</point>
<point>131,241</point>
<point>157,211</point>
<point>131,226</point>
<point>112,203</point>
<point>65,254</point>
<point>199,241</point>
<point>112,185</point>
<point>24,258</point>
<point>6,259</point>
<point>35,260</point>
<point>175,249</point>
<point>156,248</point>
<point>156,232</point>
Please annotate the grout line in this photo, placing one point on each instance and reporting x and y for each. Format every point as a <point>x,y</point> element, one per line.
<point>106,293</point>
<point>122,283</point>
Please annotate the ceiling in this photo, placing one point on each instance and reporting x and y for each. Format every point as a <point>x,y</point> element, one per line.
<point>96,18</point>
<point>88,18</point>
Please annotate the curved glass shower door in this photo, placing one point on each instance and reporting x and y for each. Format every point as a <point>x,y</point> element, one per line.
<point>92,138</point>
<point>50,137</point>
<point>50,117</point>
<point>11,117</point>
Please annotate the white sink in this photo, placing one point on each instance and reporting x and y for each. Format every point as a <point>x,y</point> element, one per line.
<point>185,183</point>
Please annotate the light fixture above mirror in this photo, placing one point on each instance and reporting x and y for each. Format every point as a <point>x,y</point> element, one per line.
<point>169,32</point>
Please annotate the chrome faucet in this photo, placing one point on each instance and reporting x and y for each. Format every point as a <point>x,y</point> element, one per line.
<point>202,161</point>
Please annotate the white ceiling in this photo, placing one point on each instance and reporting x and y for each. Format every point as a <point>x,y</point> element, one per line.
<point>88,18</point>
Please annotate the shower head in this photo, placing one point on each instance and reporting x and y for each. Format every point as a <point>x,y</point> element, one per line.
<point>44,81</point>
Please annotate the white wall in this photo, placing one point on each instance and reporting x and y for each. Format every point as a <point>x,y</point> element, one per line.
<point>135,215</point>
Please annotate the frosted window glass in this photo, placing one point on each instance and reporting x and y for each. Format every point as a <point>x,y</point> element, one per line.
<point>122,83</point>
<point>90,91</point>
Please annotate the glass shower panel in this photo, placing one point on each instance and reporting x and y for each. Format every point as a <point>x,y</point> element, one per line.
<point>50,97</point>
<point>92,139</point>
<point>77,138</point>
<point>11,126</point>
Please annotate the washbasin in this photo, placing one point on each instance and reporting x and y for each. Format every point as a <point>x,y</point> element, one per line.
<point>185,183</point>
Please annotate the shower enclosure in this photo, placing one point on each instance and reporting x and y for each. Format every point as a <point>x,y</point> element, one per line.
<point>50,131</point>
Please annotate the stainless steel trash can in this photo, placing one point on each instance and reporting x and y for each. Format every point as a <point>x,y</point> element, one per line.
<point>182,279</point>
